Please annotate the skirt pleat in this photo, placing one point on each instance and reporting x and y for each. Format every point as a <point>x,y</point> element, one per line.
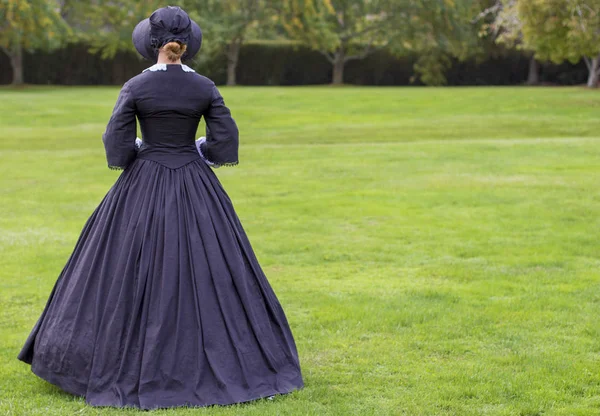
<point>163,302</point>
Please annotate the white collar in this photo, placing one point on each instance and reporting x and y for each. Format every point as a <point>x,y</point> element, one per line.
<point>163,67</point>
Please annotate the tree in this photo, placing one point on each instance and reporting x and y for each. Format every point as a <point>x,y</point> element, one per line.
<point>228,25</point>
<point>437,31</point>
<point>503,24</point>
<point>561,30</point>
<point>29,25</point>
<point>342,30</point>
<point>345,30</point>
<point>106,25</point>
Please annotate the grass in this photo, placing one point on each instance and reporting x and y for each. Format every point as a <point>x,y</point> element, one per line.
<point>436,250</point>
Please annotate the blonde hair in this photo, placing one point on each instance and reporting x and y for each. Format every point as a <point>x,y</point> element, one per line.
<point>174,50</point>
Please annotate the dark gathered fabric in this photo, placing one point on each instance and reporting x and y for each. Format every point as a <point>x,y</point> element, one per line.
<point>169,105</point>
<point>163,302</point>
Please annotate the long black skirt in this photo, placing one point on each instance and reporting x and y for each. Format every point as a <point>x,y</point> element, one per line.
<point>163,302</point>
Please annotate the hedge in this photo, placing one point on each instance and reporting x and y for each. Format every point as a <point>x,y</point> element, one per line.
<point>269,63</point>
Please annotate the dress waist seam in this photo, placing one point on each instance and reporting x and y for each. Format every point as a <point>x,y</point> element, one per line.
<point>150,159</point>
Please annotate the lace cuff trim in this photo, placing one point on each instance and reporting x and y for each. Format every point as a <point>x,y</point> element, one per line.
<point>138,145</point>
<point>215,165</point>
<point>199,143</point>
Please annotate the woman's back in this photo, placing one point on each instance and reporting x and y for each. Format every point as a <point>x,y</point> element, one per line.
<point>163,302</point>
<point>169,100</point>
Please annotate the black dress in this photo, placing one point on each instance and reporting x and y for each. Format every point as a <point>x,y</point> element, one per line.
<point>163,302</point>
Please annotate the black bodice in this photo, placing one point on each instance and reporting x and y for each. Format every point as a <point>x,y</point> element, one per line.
<point>169,101</point>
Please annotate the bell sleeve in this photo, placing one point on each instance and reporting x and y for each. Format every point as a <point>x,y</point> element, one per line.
<point>119,137</point>
<point>220,148</point>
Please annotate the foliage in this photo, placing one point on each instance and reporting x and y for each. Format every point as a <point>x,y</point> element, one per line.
<point>224,22</point>
<point>434,249</point>
<point>501,21</point>
<point>437,30</point>
<point>31,24</point>
<point>357,27</point>
<point>561,29</point>
<point>106,25</point>
<point>507,25</point>
<point>432,67</point>
<point>348,30</point>
<point>228,25</point>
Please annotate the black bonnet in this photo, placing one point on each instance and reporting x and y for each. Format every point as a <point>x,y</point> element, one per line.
<point>167,24</point>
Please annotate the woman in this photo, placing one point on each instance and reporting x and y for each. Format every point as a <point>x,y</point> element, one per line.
<point>163,302</point>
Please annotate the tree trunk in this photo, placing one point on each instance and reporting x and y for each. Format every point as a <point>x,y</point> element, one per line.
<point>594,72</point>
<point>233,55</point>
<point>338,67</point>
<point>533,78</point>
<point>15,54</point>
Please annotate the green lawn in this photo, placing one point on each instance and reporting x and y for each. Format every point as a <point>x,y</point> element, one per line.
<point>436,250</point>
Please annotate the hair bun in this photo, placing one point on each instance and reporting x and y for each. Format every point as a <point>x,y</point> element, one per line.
<point>174,50</point>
